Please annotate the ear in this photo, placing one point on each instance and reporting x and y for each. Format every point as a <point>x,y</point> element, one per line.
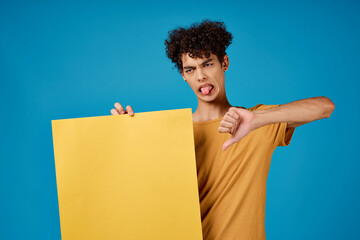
<point>225,63</point>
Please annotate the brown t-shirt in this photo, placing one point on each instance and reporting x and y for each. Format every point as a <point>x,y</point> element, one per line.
<point>232,183</point>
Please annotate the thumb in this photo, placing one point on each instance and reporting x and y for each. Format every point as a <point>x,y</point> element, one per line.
<point>228,143</point>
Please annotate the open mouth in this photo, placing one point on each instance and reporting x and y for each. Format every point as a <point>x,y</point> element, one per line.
<point>206,89</point>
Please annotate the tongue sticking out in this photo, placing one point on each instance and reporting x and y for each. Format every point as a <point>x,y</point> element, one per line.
<point>206,89</point>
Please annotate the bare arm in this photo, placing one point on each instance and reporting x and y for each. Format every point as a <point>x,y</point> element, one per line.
<point>295,113</point>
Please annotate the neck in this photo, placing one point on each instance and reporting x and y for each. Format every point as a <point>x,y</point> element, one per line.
<point>211,110</point>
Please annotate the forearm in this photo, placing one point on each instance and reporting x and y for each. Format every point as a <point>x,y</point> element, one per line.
<point>295,113</point>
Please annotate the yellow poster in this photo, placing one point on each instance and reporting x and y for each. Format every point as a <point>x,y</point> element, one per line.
<point>132,178</point>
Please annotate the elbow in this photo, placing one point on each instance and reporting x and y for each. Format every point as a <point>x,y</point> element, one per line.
<point>328,107</point>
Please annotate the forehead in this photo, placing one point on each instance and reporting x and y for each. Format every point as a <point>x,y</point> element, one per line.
<point>187,60</point>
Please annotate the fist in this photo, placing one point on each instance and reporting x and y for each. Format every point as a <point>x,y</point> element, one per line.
<point>120,110</point>
<point>237,122</point>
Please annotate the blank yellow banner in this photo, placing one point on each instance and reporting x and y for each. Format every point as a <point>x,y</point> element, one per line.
<point>131,178</point>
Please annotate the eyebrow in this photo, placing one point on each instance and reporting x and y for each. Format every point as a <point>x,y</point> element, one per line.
<point>204,62</point>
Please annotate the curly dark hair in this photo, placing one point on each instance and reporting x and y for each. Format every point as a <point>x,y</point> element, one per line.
<point>200,39</point>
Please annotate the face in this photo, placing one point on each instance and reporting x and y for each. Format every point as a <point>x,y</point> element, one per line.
<point>205,76</point>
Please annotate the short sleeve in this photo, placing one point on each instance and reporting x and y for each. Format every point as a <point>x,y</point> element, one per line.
<point>278,133</point>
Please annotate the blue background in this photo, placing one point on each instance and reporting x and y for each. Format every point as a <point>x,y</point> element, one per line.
<point>63,59</point>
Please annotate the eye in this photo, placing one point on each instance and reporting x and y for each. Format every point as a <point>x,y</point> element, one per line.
<point>208,64</point>
<point>188,71</point>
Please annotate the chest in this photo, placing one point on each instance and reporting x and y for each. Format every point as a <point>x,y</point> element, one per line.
<point>250,156</point>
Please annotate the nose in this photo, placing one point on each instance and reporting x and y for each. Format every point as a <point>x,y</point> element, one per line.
<point>200,75</point>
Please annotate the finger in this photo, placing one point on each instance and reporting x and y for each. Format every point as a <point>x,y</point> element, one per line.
<point>228,143</point>
<point>129,110</point>
<point>119,108</point>
<point>232,113</point>
<point>224,130</point>
<point>226,124</point>
<point>230,119</point>
<point>114,112</point>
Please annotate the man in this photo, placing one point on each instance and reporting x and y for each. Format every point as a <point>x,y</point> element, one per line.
<point>232,183</point>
